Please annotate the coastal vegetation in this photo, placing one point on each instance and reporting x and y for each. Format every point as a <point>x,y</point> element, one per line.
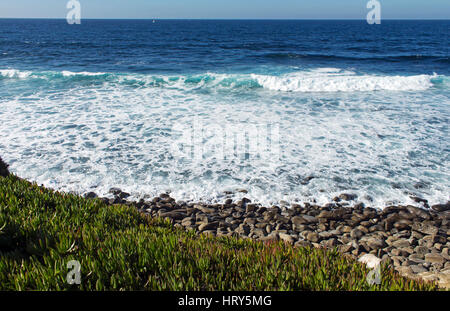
<point>119,248</point>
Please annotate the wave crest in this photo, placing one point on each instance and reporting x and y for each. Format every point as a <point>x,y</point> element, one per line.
<point>316,80</point>
<point>345,81</point>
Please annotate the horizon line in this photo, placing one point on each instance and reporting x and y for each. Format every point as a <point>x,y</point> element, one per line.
<point>228,19</point>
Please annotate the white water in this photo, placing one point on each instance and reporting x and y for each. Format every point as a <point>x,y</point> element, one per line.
<point>318,80</point>
<point>334,80</point>
<point>90,135</point>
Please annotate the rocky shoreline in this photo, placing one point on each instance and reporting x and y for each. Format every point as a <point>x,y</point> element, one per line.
<point>413,240</point>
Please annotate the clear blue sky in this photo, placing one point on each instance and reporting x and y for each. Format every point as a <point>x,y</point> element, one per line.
<point>251,9</point>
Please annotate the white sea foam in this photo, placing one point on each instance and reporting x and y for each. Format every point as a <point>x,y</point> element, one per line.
<point>13,73</point>
<point>382,146</point>
<point>332,80</point>
<point>83,73</point>
<point>315,80</point>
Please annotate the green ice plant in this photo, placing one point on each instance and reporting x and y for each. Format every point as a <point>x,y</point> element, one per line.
<point>118,248</point>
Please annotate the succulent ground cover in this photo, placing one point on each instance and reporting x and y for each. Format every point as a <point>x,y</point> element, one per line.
<point>119,248</point>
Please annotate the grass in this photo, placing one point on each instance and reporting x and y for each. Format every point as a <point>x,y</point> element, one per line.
<point>120,249</point>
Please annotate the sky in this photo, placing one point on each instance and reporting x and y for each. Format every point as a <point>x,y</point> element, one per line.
<point>227,9</point>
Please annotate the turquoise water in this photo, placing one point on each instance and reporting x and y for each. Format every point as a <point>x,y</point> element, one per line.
<point>288,110</point>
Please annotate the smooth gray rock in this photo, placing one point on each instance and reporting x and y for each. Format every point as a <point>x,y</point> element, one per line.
<point>434,258</point>
<point>313,237</point>
<point>375,243</point>
<point>418,269</point>
<point>286,238</point>
<point>401,243</point>
<point>425,227</point>
<point>356,234</point>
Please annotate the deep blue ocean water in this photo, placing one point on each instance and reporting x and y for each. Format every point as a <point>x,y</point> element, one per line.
<point>345,107</point>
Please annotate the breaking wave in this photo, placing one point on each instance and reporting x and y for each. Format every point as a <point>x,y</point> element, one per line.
<point>316,80</point>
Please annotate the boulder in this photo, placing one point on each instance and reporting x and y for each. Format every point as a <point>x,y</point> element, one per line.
<point>418,212</point>
<point>204,209</point>
<point>401,243</point>
<point>419,200</point>
<point>348,197</point>
<point>309,219</point>
<point>375,243</point>
<point>286,238</point>
<point>313,237</point>
<point>118,193</point>
<point>434,258</point>
<point>173,215</point>
<point>208,226</point>
<point>331,215</point>
<point>418,269</point>
<point>90,195</point>
<point>302,243</point>
<point>421,250</point>
<point>356,234</point>
<point>426,227</point>
<point>441,207</point>
<point>330,243</point>
<point>3,168</point>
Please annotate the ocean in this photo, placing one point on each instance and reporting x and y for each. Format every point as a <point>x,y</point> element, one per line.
<point>276,111</point>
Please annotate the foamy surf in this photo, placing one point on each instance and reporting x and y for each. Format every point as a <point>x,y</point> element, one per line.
<point>316,80</point>
<point>83,73</point>
<point>13,73</point>
<point>346,81</point>
<point>379,137</point>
